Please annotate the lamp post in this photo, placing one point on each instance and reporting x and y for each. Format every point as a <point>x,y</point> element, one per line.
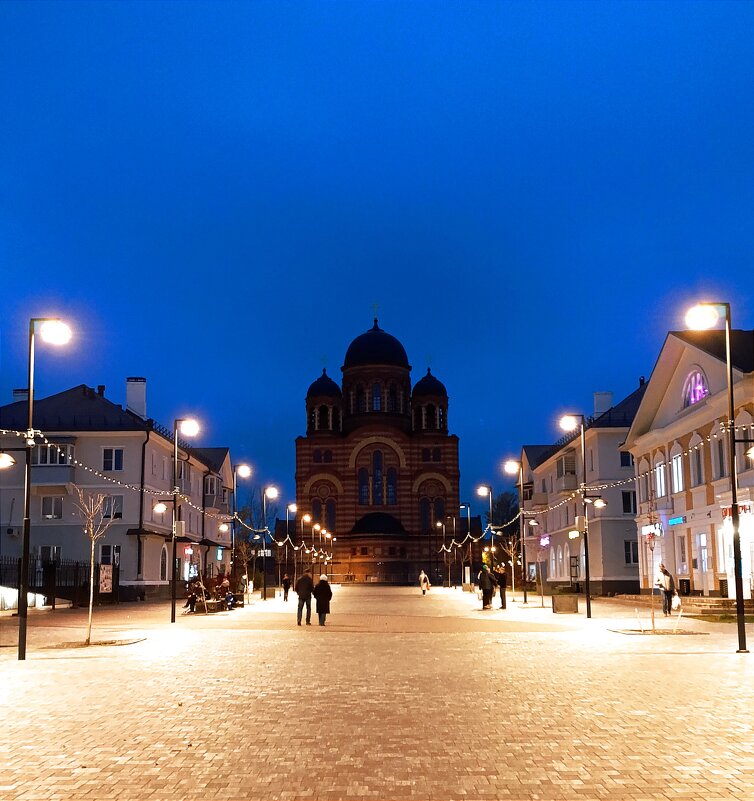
<point>307,518</point>
<point>467,507</point>
<point>271,493</point>
<point>700,317</point>
<point>570,422</point>
<point>244,471</point>
<point>515,468</point>
<point>482,491</point>
<point>291,508</point>
<point>315,527</point>
<point>441,523</point>
<point>54,332</point>
<point>188,427</point>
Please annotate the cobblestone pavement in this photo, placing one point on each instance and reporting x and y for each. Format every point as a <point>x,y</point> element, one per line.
<point>399,697</point>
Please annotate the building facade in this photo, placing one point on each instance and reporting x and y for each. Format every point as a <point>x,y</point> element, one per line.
<point>680,447</point>
<point>102,448</point>
<point>378,468</point>
<point>552,474</point>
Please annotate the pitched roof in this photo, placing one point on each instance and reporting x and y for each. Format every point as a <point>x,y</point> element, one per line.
<point>713,342</point>
<point>212,457</point>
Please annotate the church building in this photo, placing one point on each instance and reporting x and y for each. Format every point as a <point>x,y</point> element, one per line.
<point>377,468</point>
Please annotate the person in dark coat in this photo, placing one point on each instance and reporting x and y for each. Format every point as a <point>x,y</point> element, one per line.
<point>304,588</point>
<point>487,583</point>
<point>502,583</point>
<point>323,594</point>
<point>286,586</point>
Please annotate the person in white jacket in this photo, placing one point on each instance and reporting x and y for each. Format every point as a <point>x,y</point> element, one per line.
<point>666,583</point>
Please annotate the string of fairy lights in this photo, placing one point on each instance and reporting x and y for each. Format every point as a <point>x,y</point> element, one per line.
<point>39,438</point>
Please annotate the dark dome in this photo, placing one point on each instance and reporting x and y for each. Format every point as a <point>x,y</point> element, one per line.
<point>378,523</point>
<point>375,347</point>
<point>324,386</point>
<point>429,385</point>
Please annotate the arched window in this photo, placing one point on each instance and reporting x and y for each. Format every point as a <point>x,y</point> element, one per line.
<point>561,571</point>
<point>417,419</point>
<point>392,398</point>
<point>327,457</point>
<point>431,416</point>
<point>392,481</point>
<point>164,564</point>
<point>439,509</point>
<point>553,564</point>
<point>324,418</point>
<point>317,456</point>
<point>696,460</point>
<point>316,510</point>
<point>361,399</point>
<point>363,487</point>
<point>695,388</point>
<point>377,478</point>
<point>376,398</point>
<point>330,515</point>
<point>567,561</point>
<point>441,418</point>
<point>313,419</point>
<point>425,508</point>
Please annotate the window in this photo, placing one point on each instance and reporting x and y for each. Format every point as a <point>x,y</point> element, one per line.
<point>392,398</point>
<point>361,400</point>
<point>324,418</point>
<point>376,398</point>
<point>631,552</point>
<point>566,465</point>
<point>626,459</point>
<point>112,507</point>
<point>219,554</point>
<point>720,450</point>
<point>629,502</point>
<point>392,480</point>
<point>431,416</point>
<point>441,418</point>
<point>52,507</point>
<point>211,485</point>
<point>436,454</point>
<point>52,454</point>
<point>317,510</point>
<point>676,469</point>
<point>426,454</point>
<point>164,564</point>
<point>695,388</point>
<point>112,459</point>
<point>439,509</point>
<point>330,515</point>
<point>660,486</point>
<point>50,553</point>
<point>364,551</point>
<point>377,478</point>
<point>425,514</point>
<point>553,565</point>
<point>327,457</point>
<point>682,554</point>
<point>317,456</point>
<point>697,474</point>
<point>363,487</point>
<point>109,554</point>
<point>354,550</point>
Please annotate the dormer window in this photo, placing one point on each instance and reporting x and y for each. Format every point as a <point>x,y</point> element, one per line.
<point>695,388</point>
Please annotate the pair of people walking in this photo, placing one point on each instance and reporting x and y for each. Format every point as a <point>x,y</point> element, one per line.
<point>487,584</point>
<point>322,592</point>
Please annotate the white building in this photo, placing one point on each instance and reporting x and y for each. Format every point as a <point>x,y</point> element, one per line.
<point>102,448</point>
<point>552,477</point>
<point>679,442</point>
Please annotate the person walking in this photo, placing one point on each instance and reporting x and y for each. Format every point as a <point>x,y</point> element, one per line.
<point>424,582</point>
<point>304,588</point>
<point>502,582</point>
<point>286,586</point>
<point>666,582</point>
<point>323,594</point>
<point>486,582</point>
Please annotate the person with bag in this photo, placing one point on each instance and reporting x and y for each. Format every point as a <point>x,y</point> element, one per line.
<point>323,595</point>
<point>424,582</point>
<point>666,583</point>
<point>487,584</point>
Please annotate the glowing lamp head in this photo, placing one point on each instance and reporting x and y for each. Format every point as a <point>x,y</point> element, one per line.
<point>511,467</point>
<point>569,422</point>
<point>223,527</point>
<point>243,470</point>
<point>188,427</point>
<point>438,524</point>
<point>271,493</point>
<point>600,503</point>
<point>292,508</point>
<point>307,518</point>
<point>316,527</point>
<point>6,460</point>
<point>160,508</point>
<point>55,332</point>
<point>482,491</point>
<point>702,316</point>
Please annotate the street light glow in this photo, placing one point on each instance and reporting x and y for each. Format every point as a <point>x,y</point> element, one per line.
<point>243,470</point>
<point>569,422</point>
<point>511,467</point>
<point>702,316</point>
<point>188,427</point>
<point>55,332</point>
<point>271,493</point>
<point>292,508</point>
<point>307,518</point>
<point>600,503</point>
<point>160,508</point>
<point>6,460</point>
<point>482,491</point>
<point>223,527</point>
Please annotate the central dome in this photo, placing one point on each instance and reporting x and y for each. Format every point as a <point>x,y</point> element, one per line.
<point>375,347</point>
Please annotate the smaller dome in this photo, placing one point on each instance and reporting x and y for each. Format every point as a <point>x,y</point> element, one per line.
<point>324,386</point>
<point>429,386</point>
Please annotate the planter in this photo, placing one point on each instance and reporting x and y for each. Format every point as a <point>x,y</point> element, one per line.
<point>565,604</point>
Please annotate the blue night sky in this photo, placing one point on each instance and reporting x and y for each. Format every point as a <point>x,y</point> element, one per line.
<point>216,194</point>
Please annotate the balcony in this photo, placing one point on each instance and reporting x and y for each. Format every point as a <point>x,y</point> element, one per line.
<point>536,500</point>
<point>566,483</point>
<point>52,474</point>
<point>216,502</point>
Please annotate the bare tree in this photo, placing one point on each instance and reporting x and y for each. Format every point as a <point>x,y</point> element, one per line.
<point>510,546</point>
<point>91,508</point>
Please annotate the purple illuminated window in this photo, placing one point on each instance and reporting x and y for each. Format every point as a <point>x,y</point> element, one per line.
<point>695,389</point>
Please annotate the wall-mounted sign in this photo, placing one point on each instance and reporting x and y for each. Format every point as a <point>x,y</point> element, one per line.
<point>675,521</point>
<point>544,541</point>
<point>743,509</point>
<point>652,530</point>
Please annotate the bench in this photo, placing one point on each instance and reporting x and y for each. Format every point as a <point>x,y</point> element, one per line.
<point>210,605</point>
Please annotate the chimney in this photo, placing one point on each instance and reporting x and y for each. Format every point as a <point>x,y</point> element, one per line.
<point>20,395</point>
<point>602,402</point>
<point>136,396</point>
<point>101,390</point>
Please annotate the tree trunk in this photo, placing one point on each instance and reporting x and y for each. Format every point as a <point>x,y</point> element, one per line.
<point>91,596</point>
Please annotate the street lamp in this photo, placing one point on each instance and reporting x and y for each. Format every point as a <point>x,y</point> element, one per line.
<point>570,422</point>
<point>315,527</point>
<point>271,493</point>
<point>700,317</point>
<point>481,491</point>
<point>244,471</point>
<point>188,427</point>
<point>445,555</point>
<point>515,468</point>
<point>54,332</point>
<point>467,507</point>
